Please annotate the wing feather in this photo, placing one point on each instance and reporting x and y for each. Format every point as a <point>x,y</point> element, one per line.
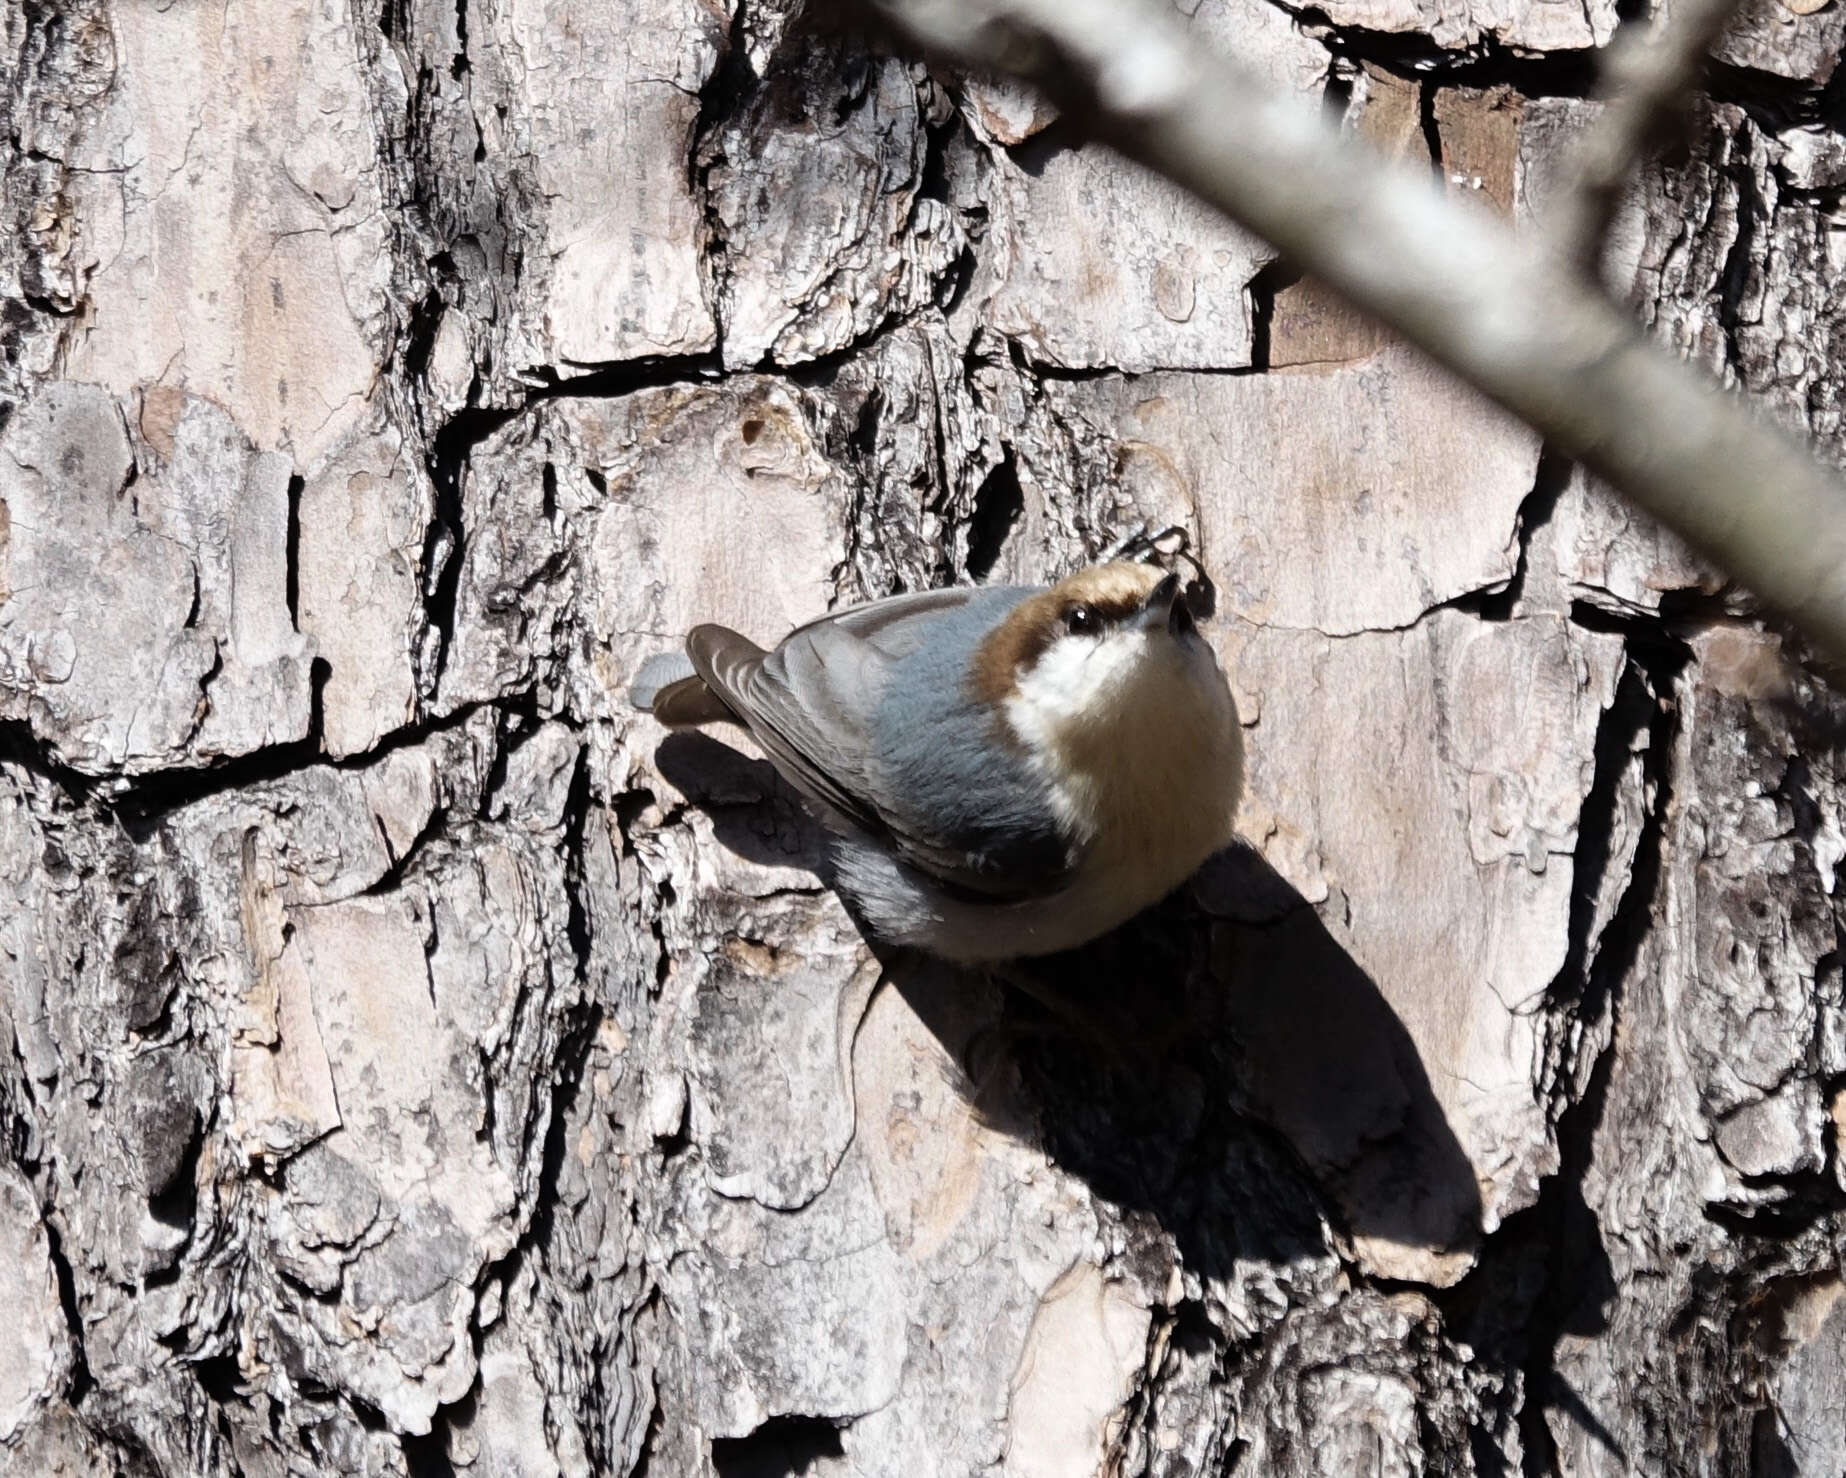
<point>819,765</point>
<point>811,704</point>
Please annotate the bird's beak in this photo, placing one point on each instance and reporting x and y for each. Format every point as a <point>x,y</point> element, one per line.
<point>1166,607</point>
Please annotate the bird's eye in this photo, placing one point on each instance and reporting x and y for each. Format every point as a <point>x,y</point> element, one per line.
<point>1081,621</point>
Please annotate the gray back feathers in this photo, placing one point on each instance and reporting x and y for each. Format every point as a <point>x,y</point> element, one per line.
<point>868,713</point>
<point>963,778</point>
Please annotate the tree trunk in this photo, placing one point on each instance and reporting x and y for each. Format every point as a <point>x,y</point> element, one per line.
<point>419,1063</point>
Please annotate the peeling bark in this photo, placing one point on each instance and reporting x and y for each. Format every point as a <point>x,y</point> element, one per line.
<point>419,1063</point>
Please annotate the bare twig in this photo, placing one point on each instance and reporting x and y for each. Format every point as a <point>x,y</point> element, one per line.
<point>1644,83</point>
<point>1500,311</point>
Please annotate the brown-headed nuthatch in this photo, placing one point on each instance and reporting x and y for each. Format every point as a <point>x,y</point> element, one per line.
<point>1008,771</point>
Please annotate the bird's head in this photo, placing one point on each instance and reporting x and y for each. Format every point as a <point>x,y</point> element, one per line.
<point>1109,651</point>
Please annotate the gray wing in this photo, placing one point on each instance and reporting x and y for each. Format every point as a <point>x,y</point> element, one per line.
<point>811,704</point>
<point>796,717</point>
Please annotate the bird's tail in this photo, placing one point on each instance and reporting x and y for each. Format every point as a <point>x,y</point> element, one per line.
<point>668,687</point>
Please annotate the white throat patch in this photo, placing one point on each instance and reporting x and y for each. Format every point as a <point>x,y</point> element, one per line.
<point>1137,735</point>
<point>1078,682</point>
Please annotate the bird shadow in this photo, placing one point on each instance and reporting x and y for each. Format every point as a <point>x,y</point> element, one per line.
<point>1224,1037</point>
<point>753,811</point>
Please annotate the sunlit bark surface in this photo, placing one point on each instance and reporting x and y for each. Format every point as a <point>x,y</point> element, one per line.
<point>413,1062</point>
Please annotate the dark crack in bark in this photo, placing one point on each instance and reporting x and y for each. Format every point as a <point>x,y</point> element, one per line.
<point>1577,1278</point>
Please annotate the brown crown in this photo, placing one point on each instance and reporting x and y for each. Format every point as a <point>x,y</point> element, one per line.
<point>1113,591</point>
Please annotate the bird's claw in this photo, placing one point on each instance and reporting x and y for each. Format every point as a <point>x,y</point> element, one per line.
<point>1164,548</point>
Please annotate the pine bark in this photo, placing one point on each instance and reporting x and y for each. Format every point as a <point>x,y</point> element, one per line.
<point>419,1063</point>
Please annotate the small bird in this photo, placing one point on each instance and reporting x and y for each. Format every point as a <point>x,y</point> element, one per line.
<point>1008,771</point>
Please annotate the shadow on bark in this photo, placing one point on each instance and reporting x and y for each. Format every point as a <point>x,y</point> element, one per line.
<point>1231,1070</point>
<point>753,810</point>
